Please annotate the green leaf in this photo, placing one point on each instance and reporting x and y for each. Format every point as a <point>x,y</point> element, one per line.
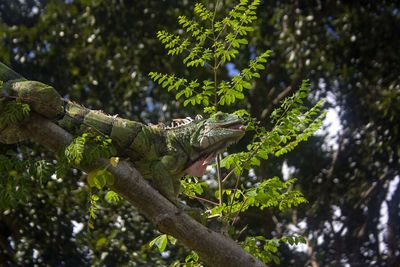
<point>260,67</point>
<point>109,178</point>
<point>101,242</point>
<point>160,242</point>
<point>100,180</point>
<point>247,85</point>
<point>113,197</point>
<point>91,178</point>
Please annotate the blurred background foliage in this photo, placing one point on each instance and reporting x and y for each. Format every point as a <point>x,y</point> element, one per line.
<point>99,53</point>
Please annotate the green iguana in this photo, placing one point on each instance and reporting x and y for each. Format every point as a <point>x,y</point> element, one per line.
<point>162,154</point>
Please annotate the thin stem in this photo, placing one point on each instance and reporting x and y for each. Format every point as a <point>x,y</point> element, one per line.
<point>224,27</point>
<point>205,200</point>
<point>215,86</point>
<point>219,178</point>
<point>233,198</point>
<point>238,212</point>
<point>199,57</point>
<point>255,150</point>
<point>241,231</point>
<point>215,13</point>
<point>228,175</point>
<point>215,59</point>
<point>230,44</point>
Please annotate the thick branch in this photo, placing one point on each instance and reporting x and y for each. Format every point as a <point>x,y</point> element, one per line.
<point>213,248</point>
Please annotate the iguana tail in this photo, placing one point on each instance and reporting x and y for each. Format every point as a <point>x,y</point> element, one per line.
<point>41,97</point>
<point>7,74</point>
<point>45,100</point>
<point>80,119</point>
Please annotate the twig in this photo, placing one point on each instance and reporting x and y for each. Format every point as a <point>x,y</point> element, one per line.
<point>205,200</point>
<point>219,179</point>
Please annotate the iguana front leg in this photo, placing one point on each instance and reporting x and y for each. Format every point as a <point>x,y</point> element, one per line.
<point>163,182</point>
<point>169,186</point>
<point>167,180</point>
<point>164,178</point>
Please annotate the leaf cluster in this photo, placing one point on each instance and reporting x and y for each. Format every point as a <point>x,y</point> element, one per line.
<point>99,180</point>
<point>293,123</point>
<point>18,176</point>
<point>88,147</point>
<point>12,112</point>
<point>210,43</point>
<point>190,186</point>
<point>18,173</point>
<point>191,260</point>
<point>266,249</point>
<point>85,149</point>
<point>274,193</point>
<point>161,242</point>
<point>269,193</point>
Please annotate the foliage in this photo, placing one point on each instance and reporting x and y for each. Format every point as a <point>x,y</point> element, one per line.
<point>270,193</point>
<point>210,44</point>
<point>214,45</point>
<point>17,177</point>
<point>191,260</point>
<point>348,53</point>
<point>191,186</point>
<point>266,249</point>
<point>161,242</point>
<point>293,123</point>
<point>85,149</point>
<point>13,112</point>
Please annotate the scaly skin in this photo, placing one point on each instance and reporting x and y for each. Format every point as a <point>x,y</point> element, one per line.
<point>162,154</point>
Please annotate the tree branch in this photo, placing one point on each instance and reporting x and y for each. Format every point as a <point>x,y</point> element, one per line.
<point>282,95</point>
<point>213,248</point>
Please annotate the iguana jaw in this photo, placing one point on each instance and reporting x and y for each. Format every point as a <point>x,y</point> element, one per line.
<point>218,137</point>
<point>233,126</point>
<point>198,168</point>
<point>212,137</point>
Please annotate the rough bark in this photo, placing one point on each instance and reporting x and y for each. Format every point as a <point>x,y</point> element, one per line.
<point>213,248</point>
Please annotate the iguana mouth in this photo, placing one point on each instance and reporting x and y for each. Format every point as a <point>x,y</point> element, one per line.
<point>234,126</point>
<point>198,167</point>
<point>211,138</point>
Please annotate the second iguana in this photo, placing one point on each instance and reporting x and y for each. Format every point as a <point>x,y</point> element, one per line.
<point>162,154</point>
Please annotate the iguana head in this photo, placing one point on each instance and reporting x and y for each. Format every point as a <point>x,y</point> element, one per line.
<point>212,136</point>
<point>217,132</point>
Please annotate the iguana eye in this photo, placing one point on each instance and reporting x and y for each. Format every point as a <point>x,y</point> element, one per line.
<point>219,117</point>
